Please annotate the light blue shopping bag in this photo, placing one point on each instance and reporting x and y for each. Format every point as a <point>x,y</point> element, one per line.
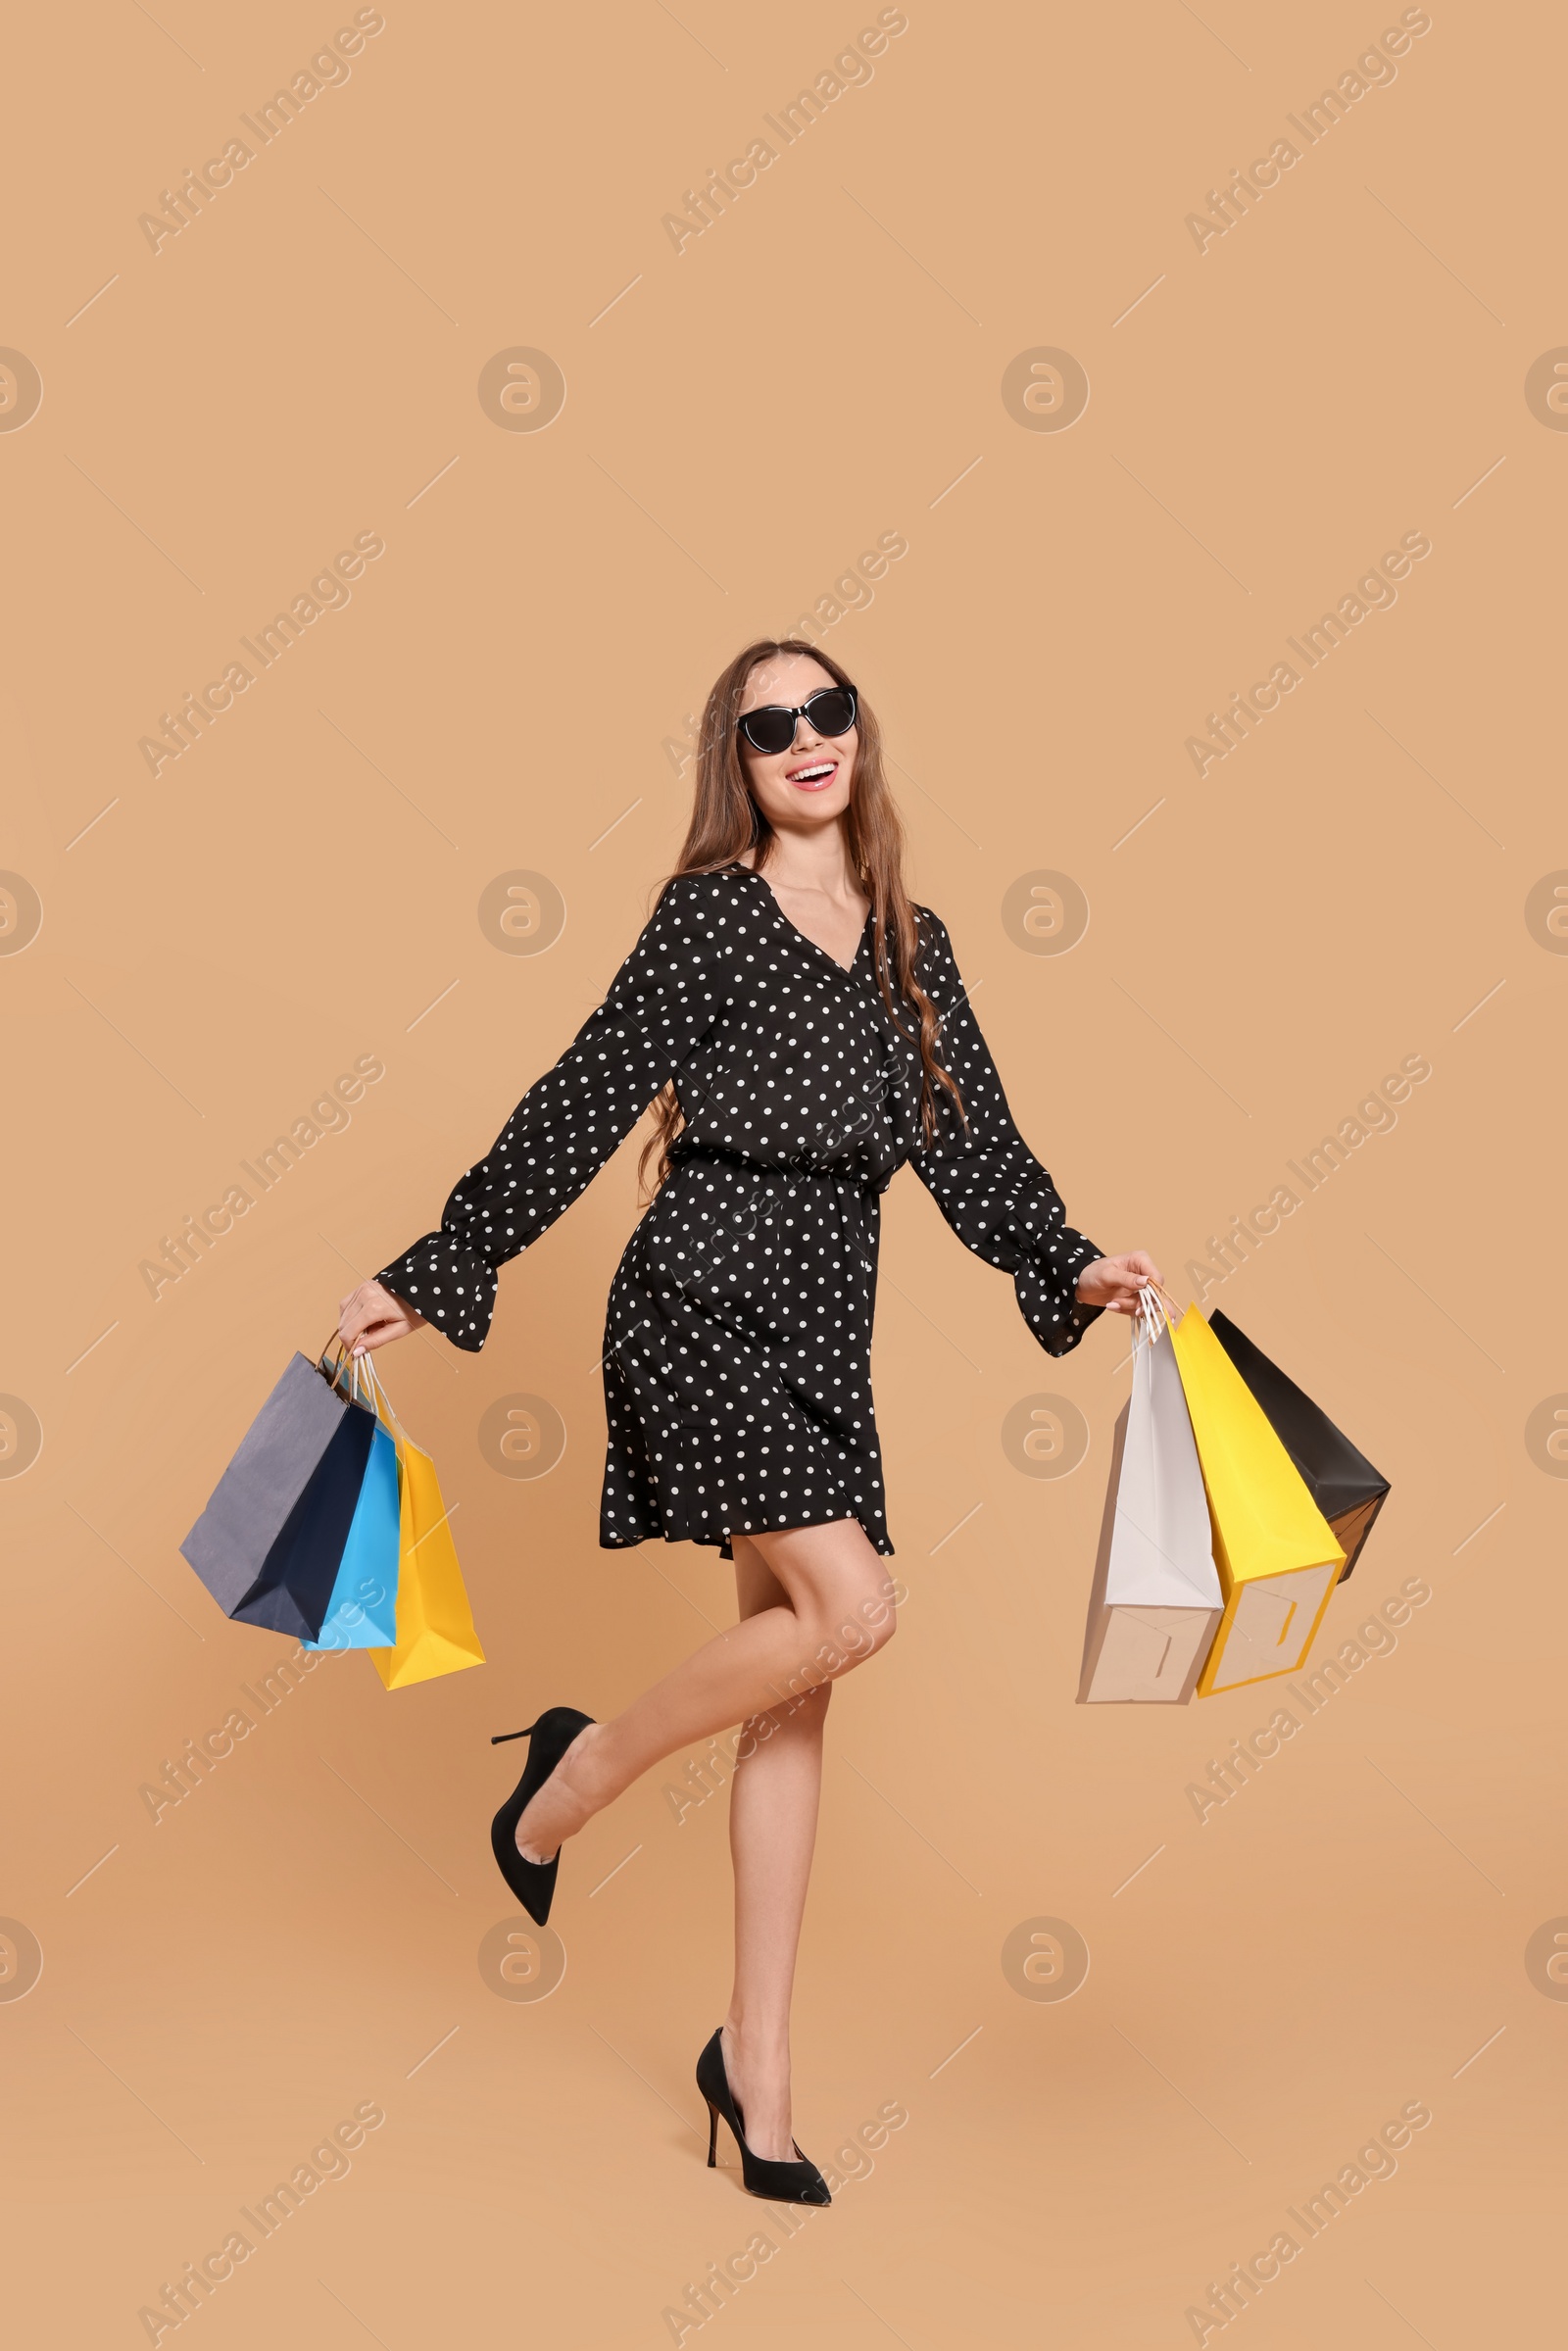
<point>362,1614</point>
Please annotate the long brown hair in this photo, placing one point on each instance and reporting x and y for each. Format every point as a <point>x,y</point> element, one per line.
<point>726,821</point>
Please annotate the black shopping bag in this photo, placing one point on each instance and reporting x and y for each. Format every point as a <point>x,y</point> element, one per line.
<point>1341,1481</point>
<point>268,1543</point>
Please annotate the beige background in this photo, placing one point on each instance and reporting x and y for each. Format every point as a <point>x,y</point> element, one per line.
<point>819,367</point>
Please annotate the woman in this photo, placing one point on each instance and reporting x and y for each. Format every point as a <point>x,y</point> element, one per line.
<point>801,1031</point>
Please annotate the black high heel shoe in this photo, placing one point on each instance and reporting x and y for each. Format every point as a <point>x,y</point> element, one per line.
<point>781,2183</point>
<point>533,1881</point>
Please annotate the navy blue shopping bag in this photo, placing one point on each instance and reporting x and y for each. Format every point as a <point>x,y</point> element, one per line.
<point>269,1544</point>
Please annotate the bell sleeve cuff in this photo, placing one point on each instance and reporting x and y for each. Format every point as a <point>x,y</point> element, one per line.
<point>1045,1287</point>
<point>445,1281</point>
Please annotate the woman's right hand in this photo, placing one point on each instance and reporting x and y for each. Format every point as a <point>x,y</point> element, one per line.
<point>370,1316</point>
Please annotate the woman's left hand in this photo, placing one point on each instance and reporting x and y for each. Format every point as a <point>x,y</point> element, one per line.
<point>1115,1282</point>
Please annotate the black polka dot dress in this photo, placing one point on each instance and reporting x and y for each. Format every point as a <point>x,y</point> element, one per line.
<point>738,1339</point>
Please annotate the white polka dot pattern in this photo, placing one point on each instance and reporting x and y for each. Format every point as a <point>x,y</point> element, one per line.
<point>738,1336</point>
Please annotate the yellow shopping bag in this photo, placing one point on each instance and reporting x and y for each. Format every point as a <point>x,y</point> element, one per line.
<point>1277,1555</point>
<point>434,1622</point>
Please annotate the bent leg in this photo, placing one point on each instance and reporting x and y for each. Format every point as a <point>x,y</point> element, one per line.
<point>836,1611</point>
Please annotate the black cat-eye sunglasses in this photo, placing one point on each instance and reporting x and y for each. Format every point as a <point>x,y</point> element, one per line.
<point>831,710</point>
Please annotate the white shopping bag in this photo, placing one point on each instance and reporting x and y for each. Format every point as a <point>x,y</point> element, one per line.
<point>1157,1598</point>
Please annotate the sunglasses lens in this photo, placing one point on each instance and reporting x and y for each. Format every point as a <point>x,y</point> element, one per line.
<point>832,712</point>
<point>770,730</point>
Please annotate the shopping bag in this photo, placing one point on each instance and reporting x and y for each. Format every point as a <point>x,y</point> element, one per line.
<point>1157,1598</point>
<point>270,1541</point>
<point>434,1625</point>
<point>362,1614</point>
<point>1277,1555</point>
<point>1341,1479</point>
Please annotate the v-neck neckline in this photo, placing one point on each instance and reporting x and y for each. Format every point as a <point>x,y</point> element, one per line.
<point>848,969</point>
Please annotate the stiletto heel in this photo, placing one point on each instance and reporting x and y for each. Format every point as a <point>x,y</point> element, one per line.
<point>534,1882</point>
<point>780,2182</point>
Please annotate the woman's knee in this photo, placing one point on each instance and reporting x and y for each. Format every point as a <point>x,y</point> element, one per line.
<point>800,1716</point>
<point>857,1618</point>
<point>842,1593</point>
<point>874,1614</point>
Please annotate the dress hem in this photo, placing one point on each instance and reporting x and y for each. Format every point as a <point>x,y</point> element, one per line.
<point>880,1544</point>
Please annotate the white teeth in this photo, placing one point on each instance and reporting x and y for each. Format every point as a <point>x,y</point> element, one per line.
<point>804,775</point>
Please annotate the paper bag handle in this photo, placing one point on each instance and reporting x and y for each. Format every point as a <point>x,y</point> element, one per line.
<point>1154,1305</point>
<point>381,1402</point>
<point>358,1366</point>
<point>361,1369</point>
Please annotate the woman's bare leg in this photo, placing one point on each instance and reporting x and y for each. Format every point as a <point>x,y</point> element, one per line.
<point>837,1610</point>
<point>773,1827</point>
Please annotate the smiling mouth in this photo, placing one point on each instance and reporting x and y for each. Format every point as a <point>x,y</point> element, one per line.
<point>813,778</point>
